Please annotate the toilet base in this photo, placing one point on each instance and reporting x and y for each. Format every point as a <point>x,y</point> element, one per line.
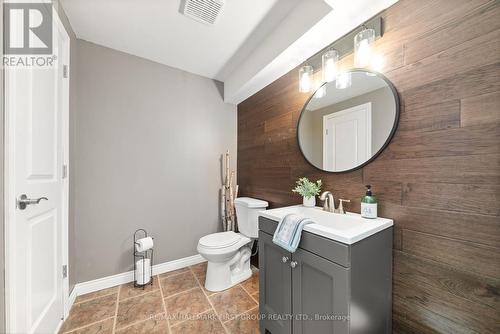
<point>224,275</point>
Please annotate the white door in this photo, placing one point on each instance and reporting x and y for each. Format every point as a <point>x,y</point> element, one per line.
<point>36,150</point>
<point>347,138</point>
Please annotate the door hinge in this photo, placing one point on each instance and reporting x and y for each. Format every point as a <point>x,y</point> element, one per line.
<point>65,171</point>
<point>326,131</point>
<point>65,271</point>
<point>65,71</point>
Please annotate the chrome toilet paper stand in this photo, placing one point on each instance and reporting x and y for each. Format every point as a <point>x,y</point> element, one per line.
<point>148,254</point>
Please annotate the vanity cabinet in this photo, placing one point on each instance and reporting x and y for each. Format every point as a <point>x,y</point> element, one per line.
<point>325,286</point>
<point>275,286</point>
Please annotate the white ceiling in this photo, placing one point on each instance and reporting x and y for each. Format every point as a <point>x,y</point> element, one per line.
<point>253,42</point>
<point>156,30</point>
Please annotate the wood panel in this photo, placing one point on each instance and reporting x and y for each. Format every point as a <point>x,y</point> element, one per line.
<point>438,116</point>
<point>480,109</point>
<point>467,256</point>
<point>439,178</point>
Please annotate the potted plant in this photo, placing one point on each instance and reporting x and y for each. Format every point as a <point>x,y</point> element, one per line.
<point>308,190</point>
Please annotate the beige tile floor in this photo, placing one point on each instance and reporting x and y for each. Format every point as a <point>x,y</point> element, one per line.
<point>177,302</point>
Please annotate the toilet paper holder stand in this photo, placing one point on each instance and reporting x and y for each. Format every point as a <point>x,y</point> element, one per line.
<point>148,254</point>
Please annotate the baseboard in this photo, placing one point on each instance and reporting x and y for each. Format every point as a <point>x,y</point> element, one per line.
<point>177,264</point>
<point>70,301</point>
<point>114,280</point>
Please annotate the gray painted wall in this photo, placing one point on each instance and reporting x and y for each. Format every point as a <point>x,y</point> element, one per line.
<point>148,151</point>
<point>383,113</point>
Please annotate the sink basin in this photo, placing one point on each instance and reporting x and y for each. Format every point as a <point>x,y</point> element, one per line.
<point>346,228</point>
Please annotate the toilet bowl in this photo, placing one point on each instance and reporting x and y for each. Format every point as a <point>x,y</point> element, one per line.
<point>228,253</point>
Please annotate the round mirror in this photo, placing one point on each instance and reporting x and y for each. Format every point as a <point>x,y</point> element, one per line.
<point>349,121</point>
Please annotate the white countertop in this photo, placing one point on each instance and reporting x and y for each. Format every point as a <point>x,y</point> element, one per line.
<point>347,228</point>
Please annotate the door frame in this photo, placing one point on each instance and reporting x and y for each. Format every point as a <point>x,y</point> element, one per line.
<point>365,106</point>
<point>10,195</point>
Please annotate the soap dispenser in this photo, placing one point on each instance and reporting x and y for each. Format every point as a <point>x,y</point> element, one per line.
<point>369,204</point>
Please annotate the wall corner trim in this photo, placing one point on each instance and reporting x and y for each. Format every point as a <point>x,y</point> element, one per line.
<point>118,279</point>
<point>69,302</point>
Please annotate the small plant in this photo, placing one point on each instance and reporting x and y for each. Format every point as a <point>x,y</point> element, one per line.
<point>307,188</point>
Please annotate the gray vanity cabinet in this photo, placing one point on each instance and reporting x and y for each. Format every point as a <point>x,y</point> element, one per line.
<point>275,281</point>
<point>319,290</point>
<point>325,286</point>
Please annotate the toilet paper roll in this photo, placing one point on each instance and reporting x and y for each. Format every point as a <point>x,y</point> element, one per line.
<point>143,271</point>
<point>144,244</point>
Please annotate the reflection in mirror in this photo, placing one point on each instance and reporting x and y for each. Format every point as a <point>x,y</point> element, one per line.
<point>342,129</point>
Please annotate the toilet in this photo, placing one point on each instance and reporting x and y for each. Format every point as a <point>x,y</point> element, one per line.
<point>228,253</point>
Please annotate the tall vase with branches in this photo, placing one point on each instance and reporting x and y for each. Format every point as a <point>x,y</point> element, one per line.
<point>229,193</point>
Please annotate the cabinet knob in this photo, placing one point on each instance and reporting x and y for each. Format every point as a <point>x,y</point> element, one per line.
<point>293,264</point>
<point>284,259</point>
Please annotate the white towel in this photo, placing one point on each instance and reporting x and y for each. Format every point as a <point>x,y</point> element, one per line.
<point>289,231</point>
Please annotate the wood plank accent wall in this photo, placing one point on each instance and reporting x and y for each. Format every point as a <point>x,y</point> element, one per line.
<point>439,178</point>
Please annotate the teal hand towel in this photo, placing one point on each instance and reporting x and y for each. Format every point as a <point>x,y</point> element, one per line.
<point>289,231</point>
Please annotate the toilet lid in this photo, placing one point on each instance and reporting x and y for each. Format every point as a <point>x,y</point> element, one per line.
<point>220,240</point>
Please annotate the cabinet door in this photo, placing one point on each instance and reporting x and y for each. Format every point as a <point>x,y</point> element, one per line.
<point>275,299</point>
<point>320,295</point>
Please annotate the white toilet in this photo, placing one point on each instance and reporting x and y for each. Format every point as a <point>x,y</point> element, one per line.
<point>228,253</point>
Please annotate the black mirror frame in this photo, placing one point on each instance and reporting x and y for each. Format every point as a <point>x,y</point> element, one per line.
<point>386,143</point>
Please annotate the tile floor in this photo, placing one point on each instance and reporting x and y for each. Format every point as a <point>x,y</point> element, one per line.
<point>177,302</point>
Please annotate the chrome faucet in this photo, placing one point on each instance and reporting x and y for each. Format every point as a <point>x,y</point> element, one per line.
<point>329,201</point>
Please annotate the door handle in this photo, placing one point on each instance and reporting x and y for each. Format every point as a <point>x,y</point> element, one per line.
<point>293,264</point>
<point>284,259</point>
<point>24,201</point>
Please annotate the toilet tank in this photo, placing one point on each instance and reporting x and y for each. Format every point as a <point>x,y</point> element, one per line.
<point>247,215</point>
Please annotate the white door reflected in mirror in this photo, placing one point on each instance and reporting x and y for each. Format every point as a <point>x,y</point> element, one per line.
<point>347,137</point>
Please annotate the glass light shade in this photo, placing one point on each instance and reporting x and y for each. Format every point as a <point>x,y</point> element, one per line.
<point>305,79</point>
<point>343,80</point>
<point>320,92</point>
<point>330,63</point>
<point>363,45</point>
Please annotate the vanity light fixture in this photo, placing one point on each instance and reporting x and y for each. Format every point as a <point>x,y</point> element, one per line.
<point>365,57</point>
<point>343,80</point>
<point>363,45</point>
<point>319,87</point>
<point>329,61</point>
<point>305,78</point>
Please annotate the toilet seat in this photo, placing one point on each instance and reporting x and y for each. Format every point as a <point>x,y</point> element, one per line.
<point>220,240</point>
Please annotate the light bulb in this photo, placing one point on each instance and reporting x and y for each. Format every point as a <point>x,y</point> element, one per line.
<point>329,61</point>
<point>305,78</point>
<point>378,63</point>
<point>363,47</point>
<point>343,80</point>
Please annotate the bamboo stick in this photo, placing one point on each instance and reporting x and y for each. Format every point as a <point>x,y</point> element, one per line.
<point>229,193</point>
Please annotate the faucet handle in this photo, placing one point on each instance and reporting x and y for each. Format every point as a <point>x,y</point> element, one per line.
<point>341,206</point>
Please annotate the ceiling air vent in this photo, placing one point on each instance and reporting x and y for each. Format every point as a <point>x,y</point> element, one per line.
<point>205,11</point>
